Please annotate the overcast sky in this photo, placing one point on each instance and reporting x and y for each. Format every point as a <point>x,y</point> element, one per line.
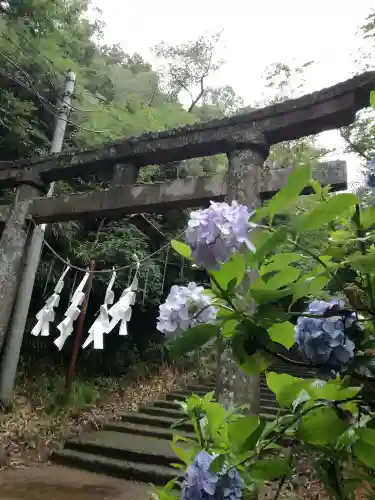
<point>255,34</point>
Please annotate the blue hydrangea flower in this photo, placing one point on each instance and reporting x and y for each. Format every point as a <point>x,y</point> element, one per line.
<point>370,173</point>
<point>323,341</point>
<point>215,233</point>
<point>230,486</point>
<point>200,482</point>
<point>181,309</point>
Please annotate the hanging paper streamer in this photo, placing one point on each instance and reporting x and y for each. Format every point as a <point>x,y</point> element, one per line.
<point>102,323</point>
<point>121,311</point>
<point>47,314</point>
<point>66,326</point>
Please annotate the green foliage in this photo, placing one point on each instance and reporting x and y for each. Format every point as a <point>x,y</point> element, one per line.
<point>327,211</point>
<point>331,420</point>
<point>181,249</point>
<point>289,193</point>
<point>282,333</point>
<point>187,342</point>
<point>231,273</point>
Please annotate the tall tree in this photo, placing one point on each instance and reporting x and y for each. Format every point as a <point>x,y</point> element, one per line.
<point>223,99</point>
<point>187,66</point>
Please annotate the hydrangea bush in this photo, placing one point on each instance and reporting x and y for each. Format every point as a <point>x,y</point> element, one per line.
<point>186,306</point>
<point>214,234</point>
<point>329,417</point>
<point>321,337</point>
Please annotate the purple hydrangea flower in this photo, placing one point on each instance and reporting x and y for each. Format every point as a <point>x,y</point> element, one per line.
<point>230,486</point>
<point>200,482</point>
<point>324,340</point>
<point>215,233</point>
<point>370,173</point>
<point>181,309</point>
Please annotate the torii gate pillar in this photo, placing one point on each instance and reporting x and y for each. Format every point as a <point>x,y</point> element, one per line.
<point>245,169</point>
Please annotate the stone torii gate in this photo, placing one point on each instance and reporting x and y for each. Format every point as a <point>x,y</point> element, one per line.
<point>245,138</point>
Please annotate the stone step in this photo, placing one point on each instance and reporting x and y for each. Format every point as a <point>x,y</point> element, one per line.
<point>183,395</point>
<point>164,403</point>
<point>201,388</point>
<point>298,376</point>
<point>146,430</point>
<point>267,394</point>
<point>162,412</point>
<point>272,410</point>
<point>265,389</point>
<point>178,396</point>
<point>138,448</point>
<point>199,392</point>
<point>294,373</point>
<point>289,371</point>
<point>268,403</point>
<point>150,420</point>
<point>147,450</point>
<point>132,471</point>
<point>204,383</point>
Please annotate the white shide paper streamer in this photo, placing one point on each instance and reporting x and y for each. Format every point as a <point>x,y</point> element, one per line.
<point>120,312</point>
<point>66,326</point>
<point>47,314</point>
<point>102,323</point>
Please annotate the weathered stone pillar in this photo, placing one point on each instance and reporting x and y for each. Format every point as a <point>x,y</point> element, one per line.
<point>12,247</point>
<point>124,173</point>
<point>245,164</point>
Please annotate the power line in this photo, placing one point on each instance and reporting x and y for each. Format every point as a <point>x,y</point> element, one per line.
<point>45,102</point>
<point>28,42</point>
<point>52,86</point>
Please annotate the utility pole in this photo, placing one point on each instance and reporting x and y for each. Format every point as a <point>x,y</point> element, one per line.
<point>9,362</point>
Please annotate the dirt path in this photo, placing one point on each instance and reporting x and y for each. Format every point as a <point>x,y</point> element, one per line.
<point>60,483</point>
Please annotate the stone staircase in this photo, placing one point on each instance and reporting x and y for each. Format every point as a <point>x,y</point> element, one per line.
<point>138,448</point>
